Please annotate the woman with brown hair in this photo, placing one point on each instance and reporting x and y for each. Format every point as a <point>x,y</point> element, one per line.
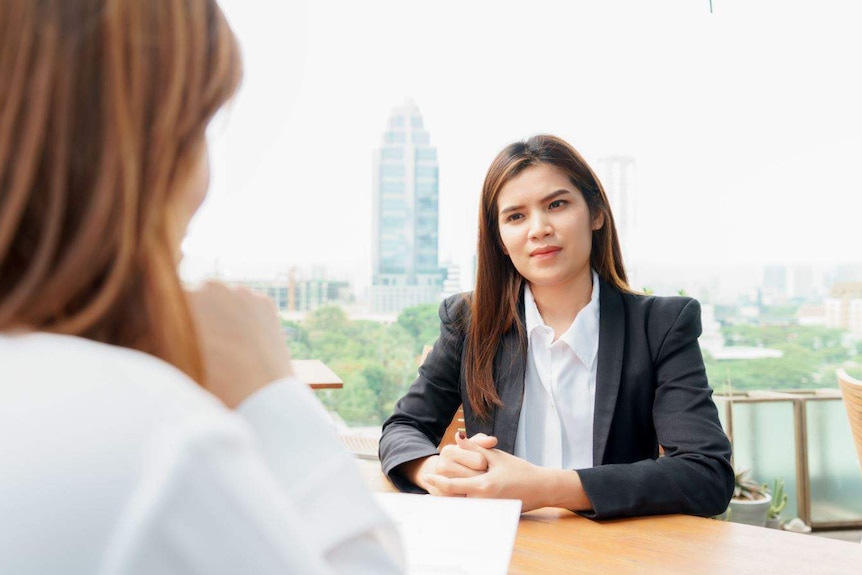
<point>569,380</point>
<point>145,429</point>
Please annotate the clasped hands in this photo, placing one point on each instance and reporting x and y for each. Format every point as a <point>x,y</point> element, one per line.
<point>473,468</point>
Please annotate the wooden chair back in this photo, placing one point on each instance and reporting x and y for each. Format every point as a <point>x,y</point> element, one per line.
<point>456,424</point>
<point>851,390</point>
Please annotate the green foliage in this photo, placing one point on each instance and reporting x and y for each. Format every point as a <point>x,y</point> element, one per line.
<point>778,336</point>
<point>811,356</point>
<point>376,361</point>
<point>296,338</point>
<point>422,323</point>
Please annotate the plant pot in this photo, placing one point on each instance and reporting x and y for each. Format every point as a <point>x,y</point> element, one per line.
<point>773,523</point>
<point>750,512</point>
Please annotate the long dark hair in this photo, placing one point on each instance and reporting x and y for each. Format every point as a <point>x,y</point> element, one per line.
<point>494,305</point>
<point>103,111</point>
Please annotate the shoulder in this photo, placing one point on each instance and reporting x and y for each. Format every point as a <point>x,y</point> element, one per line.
<point>664,316</point>
<point>108,410</point>
<point>79,368</point>
<point>658,307</point>
<point>456,308</point>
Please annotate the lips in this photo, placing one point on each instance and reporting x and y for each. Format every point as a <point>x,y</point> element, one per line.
<point>544,250</point>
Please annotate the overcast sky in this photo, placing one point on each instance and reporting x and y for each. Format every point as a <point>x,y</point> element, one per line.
<point>745,124</point>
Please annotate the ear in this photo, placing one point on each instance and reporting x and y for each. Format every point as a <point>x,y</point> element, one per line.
<point>598,221</point>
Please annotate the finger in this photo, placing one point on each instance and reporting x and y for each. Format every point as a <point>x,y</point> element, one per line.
<point>475,447</point>
<point>451,468</point>
<point>448,487</point>
<point>469,459</point>
<point>486,441</point>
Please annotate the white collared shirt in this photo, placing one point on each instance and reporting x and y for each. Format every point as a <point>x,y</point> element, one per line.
<point>555,428</point>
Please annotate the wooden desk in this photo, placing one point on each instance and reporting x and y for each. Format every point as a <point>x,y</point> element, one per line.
<point>558,541</point>
<point>316,374</point>
<point>555,541</point>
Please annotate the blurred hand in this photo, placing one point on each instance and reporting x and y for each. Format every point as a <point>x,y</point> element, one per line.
<point>241,342</point>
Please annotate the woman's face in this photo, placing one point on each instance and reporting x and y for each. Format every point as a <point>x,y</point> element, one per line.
<point>190,198</point>
<point>545,226</point>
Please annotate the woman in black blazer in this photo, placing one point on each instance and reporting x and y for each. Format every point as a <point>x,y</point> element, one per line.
<point>549,258</point>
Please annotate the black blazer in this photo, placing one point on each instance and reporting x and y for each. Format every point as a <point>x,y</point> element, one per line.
<point>651,390</point>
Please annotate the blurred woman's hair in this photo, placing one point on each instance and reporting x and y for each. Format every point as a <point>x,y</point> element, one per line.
<point>494,303</point>
<point>104,106</point>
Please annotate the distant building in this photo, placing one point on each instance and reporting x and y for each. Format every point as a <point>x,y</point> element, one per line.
<point>844,307</point>
<point>405,264</point>
<point>774,286</point>
<point>803,283</point>
<point>810,314</point>
<point>452,283</point>
<point>617,175</point>
<point>782,283</point>
<point>854,317</point>
<point>294,294</point>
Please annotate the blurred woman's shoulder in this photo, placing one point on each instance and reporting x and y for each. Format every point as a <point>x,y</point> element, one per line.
<point>80,370</point>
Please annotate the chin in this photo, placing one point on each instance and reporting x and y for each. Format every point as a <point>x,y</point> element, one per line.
<point>544,281</point>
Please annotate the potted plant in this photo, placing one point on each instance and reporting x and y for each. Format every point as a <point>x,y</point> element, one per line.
<point>750,501</point>
<point>779,502</point>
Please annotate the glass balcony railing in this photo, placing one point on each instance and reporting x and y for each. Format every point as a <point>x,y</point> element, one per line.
<point>803,437</point>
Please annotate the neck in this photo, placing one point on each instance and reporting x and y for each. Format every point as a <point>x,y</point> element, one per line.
<point>559,305</point>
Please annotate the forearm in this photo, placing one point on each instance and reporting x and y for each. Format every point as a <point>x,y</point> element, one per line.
<point>400,446</point>
<point>415,471</point>
<point>562,488</point>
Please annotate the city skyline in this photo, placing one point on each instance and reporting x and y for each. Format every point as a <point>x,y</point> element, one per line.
<point>745,130</point>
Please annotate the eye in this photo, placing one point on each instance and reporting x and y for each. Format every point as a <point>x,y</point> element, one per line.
<point>557,204</point>
<point>514,217</point>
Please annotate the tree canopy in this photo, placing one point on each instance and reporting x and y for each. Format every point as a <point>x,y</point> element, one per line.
<point>811,355</point>
<point>376,361</point>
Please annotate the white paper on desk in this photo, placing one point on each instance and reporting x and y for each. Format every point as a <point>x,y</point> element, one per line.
<point>454,536</point>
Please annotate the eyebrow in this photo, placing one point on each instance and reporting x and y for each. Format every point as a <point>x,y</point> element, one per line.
<point>551,196</point>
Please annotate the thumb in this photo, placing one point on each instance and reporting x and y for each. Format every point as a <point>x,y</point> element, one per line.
<point>479,442</point>
<point>486,441</point>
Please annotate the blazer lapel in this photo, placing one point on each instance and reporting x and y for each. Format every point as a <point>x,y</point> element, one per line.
<point>509,368</point>
<point>609,369</point>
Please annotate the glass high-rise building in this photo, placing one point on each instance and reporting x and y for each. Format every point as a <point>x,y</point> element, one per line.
<point>405,215</point>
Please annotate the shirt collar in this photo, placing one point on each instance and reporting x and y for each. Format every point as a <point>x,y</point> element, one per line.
<point>583,335</point>
<point>531,311</point>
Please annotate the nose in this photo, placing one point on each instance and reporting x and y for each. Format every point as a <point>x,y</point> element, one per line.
<point>540,226</point>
